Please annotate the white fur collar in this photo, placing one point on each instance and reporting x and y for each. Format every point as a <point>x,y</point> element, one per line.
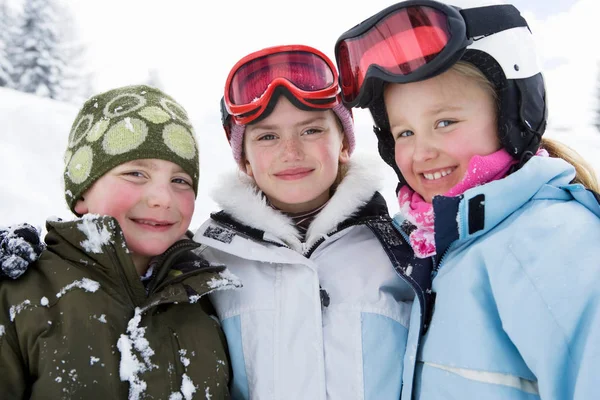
<point>239,196</point>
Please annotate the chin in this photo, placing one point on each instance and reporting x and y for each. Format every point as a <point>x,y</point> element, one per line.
<point>149,249</point>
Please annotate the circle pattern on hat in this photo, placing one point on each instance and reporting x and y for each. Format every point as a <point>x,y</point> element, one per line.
<point>124,103</point>
<point>125,136</point>
<point>80,129</point>
<point>98,130</point>
<point>175,109</point>
<point>180,141</point>
<point>154,114</point>
<point>80,165</point>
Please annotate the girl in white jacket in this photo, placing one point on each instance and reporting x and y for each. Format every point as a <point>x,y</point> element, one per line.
<point>327,288</point>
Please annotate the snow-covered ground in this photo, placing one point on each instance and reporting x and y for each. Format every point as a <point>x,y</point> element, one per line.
<point>34,133</point>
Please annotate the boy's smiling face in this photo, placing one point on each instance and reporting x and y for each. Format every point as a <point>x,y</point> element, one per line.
<point>153,201</point>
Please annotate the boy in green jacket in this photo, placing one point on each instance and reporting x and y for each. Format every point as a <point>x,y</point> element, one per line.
<point>115,307</point>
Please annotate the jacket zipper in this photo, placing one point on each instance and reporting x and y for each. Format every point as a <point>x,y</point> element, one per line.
<point>341,227</point>
<point>177,249</point>
<point>161,260</point>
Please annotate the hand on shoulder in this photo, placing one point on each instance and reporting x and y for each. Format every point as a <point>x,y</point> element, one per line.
<point>20,246</point>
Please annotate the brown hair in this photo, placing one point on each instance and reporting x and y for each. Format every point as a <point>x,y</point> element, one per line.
<point>584,173</point>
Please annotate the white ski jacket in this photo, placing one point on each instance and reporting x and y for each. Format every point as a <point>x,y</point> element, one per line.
<point>323,319</point>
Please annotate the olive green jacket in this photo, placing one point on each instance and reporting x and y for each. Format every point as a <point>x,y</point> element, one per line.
<point>80,324</point>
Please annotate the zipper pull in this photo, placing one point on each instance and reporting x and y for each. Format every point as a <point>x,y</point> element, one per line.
<point>325,300</point>
<point>304,248</point>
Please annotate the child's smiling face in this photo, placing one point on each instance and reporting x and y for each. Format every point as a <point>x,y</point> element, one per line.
<point>153,201</point>
<point>438,125</point>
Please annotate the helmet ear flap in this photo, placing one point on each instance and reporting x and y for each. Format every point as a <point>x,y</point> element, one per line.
<point>522,108</point>
<point>523,116</point>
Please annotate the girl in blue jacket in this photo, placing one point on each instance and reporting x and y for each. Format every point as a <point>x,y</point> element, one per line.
<point>504,219</point>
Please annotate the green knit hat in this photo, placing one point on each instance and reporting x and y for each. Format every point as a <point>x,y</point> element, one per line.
<point>126,124</point>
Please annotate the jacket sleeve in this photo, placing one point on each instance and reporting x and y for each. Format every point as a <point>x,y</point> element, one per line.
<point>12,371</point>
<point>548,295</point>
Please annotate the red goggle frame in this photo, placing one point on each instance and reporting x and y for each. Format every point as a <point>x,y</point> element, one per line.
<point>308,74</point>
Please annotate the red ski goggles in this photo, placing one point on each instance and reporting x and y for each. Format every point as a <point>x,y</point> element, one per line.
<point>410,41</point>
<point>302,71</point>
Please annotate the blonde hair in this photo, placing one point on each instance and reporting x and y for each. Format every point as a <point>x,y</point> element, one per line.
<point>584,172</point>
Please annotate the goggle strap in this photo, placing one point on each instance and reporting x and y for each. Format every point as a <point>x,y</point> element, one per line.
<point>225,117</point>
<point>484,21</point>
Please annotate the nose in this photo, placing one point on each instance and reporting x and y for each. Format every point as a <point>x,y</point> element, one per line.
<point>159,195</point>
<point>425,148</point>
<point>292,149</point>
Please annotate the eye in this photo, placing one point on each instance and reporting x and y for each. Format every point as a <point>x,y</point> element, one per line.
<point>312,131</point>
<point>268,136</point>
<point>182,181</point>
<point>444,123</point>
<point>137,174</point>
<point>404,134</point>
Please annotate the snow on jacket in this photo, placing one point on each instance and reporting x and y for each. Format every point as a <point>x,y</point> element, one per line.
<point>517,292</point>
<point>323,319</point>
<point>79,324</point>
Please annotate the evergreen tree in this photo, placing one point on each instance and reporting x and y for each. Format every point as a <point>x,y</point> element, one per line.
<point>7,30</point>
<point>77,79</point>
<point>43,55</point>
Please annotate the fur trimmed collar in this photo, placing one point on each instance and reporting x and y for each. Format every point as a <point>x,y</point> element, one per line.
<point>239,197</point>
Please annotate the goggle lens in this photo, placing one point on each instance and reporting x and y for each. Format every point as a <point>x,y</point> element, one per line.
<point>306,71</point>
<point>400,43</point>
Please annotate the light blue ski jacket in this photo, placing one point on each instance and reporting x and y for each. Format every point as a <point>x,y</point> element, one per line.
<point>517,292</point>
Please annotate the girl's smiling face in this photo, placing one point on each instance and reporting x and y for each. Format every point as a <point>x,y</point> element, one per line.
<point>438,125</point>
<point>293,155</point>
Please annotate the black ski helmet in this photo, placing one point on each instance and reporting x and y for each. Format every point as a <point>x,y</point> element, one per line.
<point>509,61</point>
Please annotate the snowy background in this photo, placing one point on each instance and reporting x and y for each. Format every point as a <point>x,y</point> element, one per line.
<point>189,48</point>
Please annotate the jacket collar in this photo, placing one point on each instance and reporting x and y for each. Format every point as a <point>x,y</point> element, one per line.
<point>97,243</point>
<point>482,208</point>
<point>240,198</point>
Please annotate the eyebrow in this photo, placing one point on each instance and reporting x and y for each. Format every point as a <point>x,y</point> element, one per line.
<point>143,163</point>
<point>307,121</point>
<point>152,165</point>
<point>442,108</point>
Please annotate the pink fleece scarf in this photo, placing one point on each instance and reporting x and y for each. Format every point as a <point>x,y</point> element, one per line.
<point>481,170</point>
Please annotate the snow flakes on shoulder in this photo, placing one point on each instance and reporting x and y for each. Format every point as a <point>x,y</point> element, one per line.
<point>227,279</point>
<point>2,330</point>
<point>97,234</point>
